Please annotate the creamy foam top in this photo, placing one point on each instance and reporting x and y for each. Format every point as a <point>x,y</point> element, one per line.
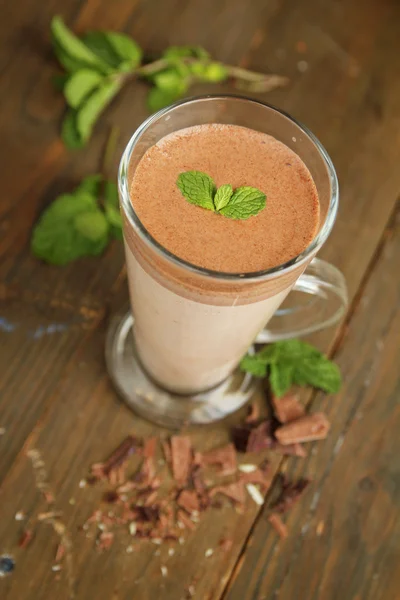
<point>239,156</point>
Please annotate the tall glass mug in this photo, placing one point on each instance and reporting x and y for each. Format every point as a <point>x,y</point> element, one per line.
<point>191,326</point>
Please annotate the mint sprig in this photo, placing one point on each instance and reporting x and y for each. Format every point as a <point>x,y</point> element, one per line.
<point>78,224</point>
<point>293,362</point>
<point>98,64</point>
<point>199,188</point>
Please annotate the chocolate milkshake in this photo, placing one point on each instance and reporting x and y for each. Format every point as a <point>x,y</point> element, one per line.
<point>192,329</point>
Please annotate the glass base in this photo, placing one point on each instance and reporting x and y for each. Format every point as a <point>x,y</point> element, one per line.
<point>150,401</point>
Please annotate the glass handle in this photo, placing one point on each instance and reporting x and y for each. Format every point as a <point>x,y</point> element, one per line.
<point>317,300</point>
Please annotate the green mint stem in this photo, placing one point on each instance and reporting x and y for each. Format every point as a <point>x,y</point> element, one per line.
<point>259,81</point>
<point>264,82</point>
<point>109,151</point>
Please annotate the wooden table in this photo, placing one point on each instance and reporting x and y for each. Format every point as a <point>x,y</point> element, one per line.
<point>56,402</point>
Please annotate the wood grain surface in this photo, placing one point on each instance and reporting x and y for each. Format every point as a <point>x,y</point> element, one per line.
<point>343,61</point>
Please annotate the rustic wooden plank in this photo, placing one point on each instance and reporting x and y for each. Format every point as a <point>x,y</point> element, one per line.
<point>37,343</point>
<point>345,533</point>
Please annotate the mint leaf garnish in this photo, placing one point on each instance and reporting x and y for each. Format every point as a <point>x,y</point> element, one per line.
<point>292,362</point>
<point>58,240</point>
<point>223,195</point>
<point>73,49</point>
<point>158,98</point>
<point>69,132</point>
<point>93,106</point>
<point>320,373</point>
<point>200,189</point>
<point>92,225</point>
<point>214,72</point>
<point>245,202</point>
<point>98,43</point>
<point>281,375</point>
<point>75,225</point>
<point>254,364</point>
<point>125,47</point>
<point>79,85</point>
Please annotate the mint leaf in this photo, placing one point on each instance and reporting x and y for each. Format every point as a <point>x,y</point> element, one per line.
<point>205,70</point>
<point>55,238</point>
<point>320,373</point>
<point>69,63</point>
<point>73,49</point>
<point>92,225</point>
<point>215,72</point>
<point>125,48</point>
<point>198,188</point>
<point>158,98</point>
<point>69,132</point>
<point>254,364</point>
<point>281,376</point>
<point>170,80</point>
<point>222,197</point>
<point>93,107</point>
<point>293,362</point>
<point>80,85</point>
<point>295,349</point>
<point>99,44</point>
<point>244,203</point>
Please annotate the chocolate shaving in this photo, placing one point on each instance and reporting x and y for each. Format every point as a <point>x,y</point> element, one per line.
<point>185,520</point>
<point>120,455</point>
<point>200,487</point>
<point>59,553</point>
<point>234,491</point>
<point>305,429</point>
<point>189,501</point>
<point>111,497</point>
<point>291,492</point>
<point>146,514</point>
<point>250,438</point>
<point>26,538</point>
<point>166,446</point>
<point>117,476</point>
<point>288,408</point>
<point>147,472</point>
<point>181,452</point>
<point>197,480</point>
<point>111,467</point>
<point>278,525</point>
<point>105,540</point>
<point>225,544</point>
<point>290,450</point>
<point>128,486</point>
<point>149,448</point>
<point>224,457</point>
<point>253,413</point>
<point>151,498</point>
<point>97,471</point>
<point>48,496</point>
